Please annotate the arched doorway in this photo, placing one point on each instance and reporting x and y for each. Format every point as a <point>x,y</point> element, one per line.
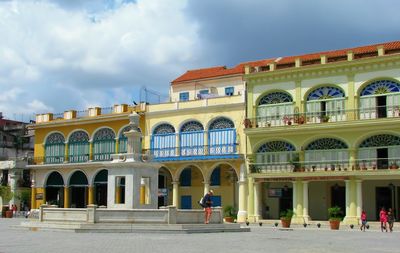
<point>164,187</point>
<point>223,181</point>
<point>191,187</point>
<point>100,187</point>
<point>55,189</point>
<point>78,184</point>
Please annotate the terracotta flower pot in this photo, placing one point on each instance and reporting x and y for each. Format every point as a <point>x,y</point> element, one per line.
<point>229,219</point>
<point>9,214</point>
<point>285,223</point>
<point>334,224</point>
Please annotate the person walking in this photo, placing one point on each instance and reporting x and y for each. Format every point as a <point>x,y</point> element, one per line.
<point>390,219</point>
<point>383,219</point>
<point>363,220</point>
<point>207,206</point>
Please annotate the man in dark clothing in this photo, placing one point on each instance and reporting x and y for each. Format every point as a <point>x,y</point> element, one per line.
<point>208,205</point>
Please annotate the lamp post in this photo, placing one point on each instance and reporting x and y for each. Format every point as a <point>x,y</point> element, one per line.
<point>393,189</point>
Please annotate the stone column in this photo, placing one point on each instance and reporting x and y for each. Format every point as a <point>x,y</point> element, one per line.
<point>305,202</point>
<point>297,202</point>
<point>359,198</point>
<point>33,196</point>
<point>351,101</point>
<point>175,193</point>
<point>347,182</point>
<point>351,206</point>
<point>66,158</point>
<point>352,159</point>
<point>116,145</point>
<point>250,203</point>
<point>242,212</point>
<point>91,150</point>
<point>257,201</point>
<point>142,192</point>
<point>91,195</point>
<point>66,197</point>
<point>13,176</point>
<point>206,187</point>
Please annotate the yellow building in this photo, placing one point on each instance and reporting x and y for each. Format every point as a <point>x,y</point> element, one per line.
<point>323,130</point>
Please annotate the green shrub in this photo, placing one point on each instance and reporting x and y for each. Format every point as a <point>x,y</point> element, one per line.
<point>335,213</point>
<point>287,215</point>
<point>230,211</point>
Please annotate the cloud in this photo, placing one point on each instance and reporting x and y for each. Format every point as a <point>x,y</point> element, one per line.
<point>65,52</point>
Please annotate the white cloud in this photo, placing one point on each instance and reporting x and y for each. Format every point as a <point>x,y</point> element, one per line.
<point>62,56</point>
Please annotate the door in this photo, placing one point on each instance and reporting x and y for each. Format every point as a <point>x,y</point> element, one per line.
<point>78,197</point>
<point>338,197</point>
<point>186,202</point>
<point>101,194</point>
<point>383,162</point>
<point>383,198</point>
<point>381,106</point>
<point>286,200</point>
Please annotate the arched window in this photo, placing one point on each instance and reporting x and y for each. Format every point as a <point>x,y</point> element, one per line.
<point>78,184</point>
<point>326,104</point>
<point>123,140</point>
<point>78,147</point>
<point>192,139</point>
<point>326,153</point>
<point>380,99</point>
<point>163,141</point>
<point>275,155</point>
<point>222,137</point>
<point>379,151</point>
<point>103,144</point>
<point>54,148</point>
<point>273,107</point>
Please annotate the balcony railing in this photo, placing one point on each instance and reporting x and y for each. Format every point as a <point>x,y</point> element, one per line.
<point>371,164</point>
<point>200,152</point>
<point>323,117</point>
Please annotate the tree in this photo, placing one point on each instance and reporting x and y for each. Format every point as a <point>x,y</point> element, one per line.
<point>5,193</point>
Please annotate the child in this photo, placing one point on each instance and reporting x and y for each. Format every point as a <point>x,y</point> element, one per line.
<point>390,219</point>
<point>383,219</point>
<point>363,220</point>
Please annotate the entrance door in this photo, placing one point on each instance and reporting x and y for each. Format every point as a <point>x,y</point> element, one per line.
<point>101,194</point>
<point>382,154</point>
<point>338,197</point>
<point>78,197</point>
<point>55,196</point>
<point>383,198</point>
<point>381,106</point>
<point>286,201</point>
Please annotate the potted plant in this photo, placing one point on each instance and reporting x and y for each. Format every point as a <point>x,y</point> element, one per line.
<point>295,161</point>
<point>287,120</point>
<point>247,123</point>
<point>393,165</point>
<point>286,217</point>
<point>335,216</point>
<point>325,118</point>
<point>229,214</point>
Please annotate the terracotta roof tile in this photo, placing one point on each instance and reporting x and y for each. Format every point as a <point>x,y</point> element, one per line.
<point>218,71</point>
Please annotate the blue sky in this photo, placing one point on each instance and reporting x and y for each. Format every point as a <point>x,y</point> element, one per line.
<point>72,54</point>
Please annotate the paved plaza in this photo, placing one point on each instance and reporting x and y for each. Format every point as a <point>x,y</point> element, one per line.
<point>260,239</point>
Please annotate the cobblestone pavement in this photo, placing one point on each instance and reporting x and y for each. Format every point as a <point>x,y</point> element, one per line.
<point>261,239</point>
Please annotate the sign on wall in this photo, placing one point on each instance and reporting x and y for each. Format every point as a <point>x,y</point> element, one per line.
<point>275,192</point>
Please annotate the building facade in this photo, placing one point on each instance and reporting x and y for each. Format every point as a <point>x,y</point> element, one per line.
<point>304,132</point>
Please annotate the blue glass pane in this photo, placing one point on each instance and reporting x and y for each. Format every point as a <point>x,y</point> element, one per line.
<point>184,96</point>
<point>326,92</point>
<point>216,177</point>
<point>216,200</point>
<point>381,87</point>
<point>186,202</point>
<point>186,177</point>
<point>275,98</point>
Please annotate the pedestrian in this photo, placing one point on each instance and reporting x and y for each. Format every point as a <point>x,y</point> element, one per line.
<point>14,209</point>
<point>363,220</point>
<point>383,219</point>
<point>390,219</point>
<point>207,206</point>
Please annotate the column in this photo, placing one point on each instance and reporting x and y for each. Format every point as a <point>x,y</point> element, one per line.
<point>305,202</point>
<point>91,195</point>
<point>351,102</point>
<point>298,202</point>
<point>90,150</point>
<point>250,202</point>
<point>206,187</point>
<point>257,201</point>
<point>13,176</point>
<point>66,158</point>
<point>66,197</point>
<point>351,206</point>
<point>359,198</point>
<point>352,159</point>
<point>242,212</point>
<point>117,145</point>
<point>142,192</point>
<point>33,196</point>
<point>298,95</point>
<point>175,193</point>
<point>347,182</point>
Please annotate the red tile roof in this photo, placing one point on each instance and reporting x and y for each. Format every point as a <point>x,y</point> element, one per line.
<point>218,71</point>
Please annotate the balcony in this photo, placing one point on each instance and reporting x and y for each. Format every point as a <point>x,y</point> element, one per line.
<point>360,165</point>
<point>190,153</point>
<point>377,112</point>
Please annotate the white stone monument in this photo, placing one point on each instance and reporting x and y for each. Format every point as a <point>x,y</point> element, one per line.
<point>132,177</point>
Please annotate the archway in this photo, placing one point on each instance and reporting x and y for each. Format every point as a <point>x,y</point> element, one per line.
<point>164,187</point>
<point>223,181</point>
<point>100,187</point>
<point>191,187</point>
<point>272,107</point>
<point>54,148</point>
<point>78,184</point>
<point>55,189</point>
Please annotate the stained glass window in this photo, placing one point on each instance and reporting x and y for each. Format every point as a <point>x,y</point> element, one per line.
<point>164,129</point>
<point>326,92</point>
<point>275,98</point>
<point>326,143</point>
<point>381,140</point>
<point>276,146</point>
<point>221,123</point>
<point>381,87</point>
<point>192,126</point>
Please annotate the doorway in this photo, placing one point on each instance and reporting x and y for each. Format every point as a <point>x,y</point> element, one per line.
<point>381,106</point>
<point>78,197</point>
<point>382,154</point>
<point>55,195</point>
<point>286,200</point>
<point>338,197</point>
<point>383,198</point>
<point>101,194</point>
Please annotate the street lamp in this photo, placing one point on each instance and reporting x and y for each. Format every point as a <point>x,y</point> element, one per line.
<point>393,189</point>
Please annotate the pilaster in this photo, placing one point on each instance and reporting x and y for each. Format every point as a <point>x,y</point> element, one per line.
<point>66,197</point>
<point>257,201</point>
<point>175,193</point>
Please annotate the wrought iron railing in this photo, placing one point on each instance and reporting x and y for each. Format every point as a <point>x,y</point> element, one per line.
<point>370,164</point>
<point>339,115</point>
<point>199,152</point>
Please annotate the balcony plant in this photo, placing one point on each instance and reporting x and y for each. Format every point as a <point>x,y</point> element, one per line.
<point>335,216</point>
<point>295,161</point>
<point>325,118</point>
<point>286,217</point>
<point>230,214</point>
<point>394,165</point>
<point>287,120</point>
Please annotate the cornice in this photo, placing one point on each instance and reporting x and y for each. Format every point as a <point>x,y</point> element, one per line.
<point>323,70</point>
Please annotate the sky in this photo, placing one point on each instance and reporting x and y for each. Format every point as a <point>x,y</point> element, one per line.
<point>71,54</point>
